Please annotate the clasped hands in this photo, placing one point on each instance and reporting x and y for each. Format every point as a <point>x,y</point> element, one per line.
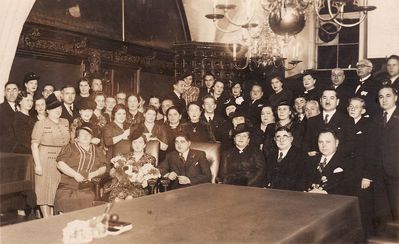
<point>80,178</point>
<point>316,188</point>
<point>183,180</point>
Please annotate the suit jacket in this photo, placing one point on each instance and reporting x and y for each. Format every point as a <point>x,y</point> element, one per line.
<point>7,138</point>
<point>369,92</point>
<point>341,123</point>
<point>196,167</point>
<point>253,109</point>
<point>246,168</point>
<point>178,102</point>
<point>345,92</point>
<point>287,174</point>
<point>203,92</point>
<point>65,114</point>
<point>336,174</point>
<point>213,126</point>
<point>385,143</point>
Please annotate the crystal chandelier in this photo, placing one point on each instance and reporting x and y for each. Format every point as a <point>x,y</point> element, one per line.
<point>266,41</point>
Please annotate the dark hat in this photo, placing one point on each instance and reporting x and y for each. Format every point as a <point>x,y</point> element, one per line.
<point>136,133</point>
<point>283,103</point>
<point>229,103</point>
<point>235,82</point>
<point>241,128</point>
<point>87,127</point>
<point>31,76</point>
<point>237,113</point>
<point>52,102</point>
<point>86,103</point>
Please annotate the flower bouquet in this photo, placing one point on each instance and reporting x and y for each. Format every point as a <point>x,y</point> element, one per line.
<point>129,171</point>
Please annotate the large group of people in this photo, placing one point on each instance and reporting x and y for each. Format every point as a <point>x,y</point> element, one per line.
<point>328,138</point>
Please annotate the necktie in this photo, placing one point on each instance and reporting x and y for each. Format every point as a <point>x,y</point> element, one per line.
<point>280,157</point>
<point>15,108</point>
<point>322,164</point>
<point>181,157</point>
<point>70,110</point>
<point>326,119</point>
<point>385,118</point>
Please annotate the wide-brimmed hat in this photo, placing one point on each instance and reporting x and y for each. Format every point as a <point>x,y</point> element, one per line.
<point>31,76</point>
<point>52,102</point>
<point>241,128</point>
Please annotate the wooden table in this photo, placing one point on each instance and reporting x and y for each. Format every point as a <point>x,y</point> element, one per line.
<point>212,213</point>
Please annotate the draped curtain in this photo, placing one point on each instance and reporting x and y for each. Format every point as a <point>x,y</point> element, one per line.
<point>13,14</point>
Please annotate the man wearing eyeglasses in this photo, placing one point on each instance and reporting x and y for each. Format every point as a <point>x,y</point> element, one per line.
<point>285,165</point>
<point>368,87</point>
<point>343,89</point>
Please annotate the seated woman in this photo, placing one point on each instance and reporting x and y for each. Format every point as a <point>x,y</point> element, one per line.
<point>265,129</point>
<point>78,162</point>
<point>174,126</point>
<point>123,188</point>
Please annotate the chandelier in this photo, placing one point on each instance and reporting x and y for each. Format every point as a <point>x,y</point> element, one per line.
<point>268,27</point>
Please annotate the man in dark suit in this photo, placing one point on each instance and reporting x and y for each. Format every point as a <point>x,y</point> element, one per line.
<point>367,87</point>
<point>209,80</point>
<point>393,73</point>
<point>331,118</point>
<point>212,120</point>
<point>185,166</point>
<point>254,105</point>
<point>177,97</point>
<point>243,164</point>
<point>344,91</point>
<point>384,141</point>
<point>69,111</point>
<point>7,113</point>
<point>285,165</point>
<point>328,172</point>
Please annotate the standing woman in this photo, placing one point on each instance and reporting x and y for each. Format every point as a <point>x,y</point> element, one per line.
<point>39,112</point>
<point>116,133</point>
<point>220,96</point>
<point>23,123</point>
<point>280,94</point>
<point>133,115</point>
<point>48,137</point>
<point>173,126</point>
<point>98,116</point>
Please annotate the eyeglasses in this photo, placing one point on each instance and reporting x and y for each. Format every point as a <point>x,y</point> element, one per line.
<point>281,138</point>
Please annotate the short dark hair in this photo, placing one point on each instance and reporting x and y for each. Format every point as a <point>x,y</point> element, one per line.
<point>283,128</point>
<point>116,108</point>
<point>12,82</point>
<point>134,95</point>
<point>208,74</point>
<point>48,84</point>
<point>68,86</point>
<point>150,107</point>
<point>173,108</point>
<point>330,89</point>
<point>329,130</point>
<point>393,57</point>
<point>20,96</point>
<point>184,135</point>
<point>83,79</point>
<point>208,96</point>
<point>395,92</point>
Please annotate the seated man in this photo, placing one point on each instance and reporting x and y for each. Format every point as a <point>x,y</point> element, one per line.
<point>185,166</point>
<point>285,165</point>
<point>327,172</point>
<point>243,164</point>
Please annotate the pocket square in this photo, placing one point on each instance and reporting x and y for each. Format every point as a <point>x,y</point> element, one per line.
<point>260,105</point>
<point>359,132</point>
<point>363,93</point>
<point>338,170</point>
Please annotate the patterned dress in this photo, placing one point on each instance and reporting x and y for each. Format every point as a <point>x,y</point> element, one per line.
<point>70,195</point>
<point>118,189</point>
<point>51,137</point>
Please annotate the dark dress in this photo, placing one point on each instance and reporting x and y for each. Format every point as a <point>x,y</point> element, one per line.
<point>198,132</point>
<point>123,188</point>
<point>122,147</point>
<point>284,95</point>
<point>23,127</point>
<point>70,194</point>
<point>7,139</point>
<point>133,120</point>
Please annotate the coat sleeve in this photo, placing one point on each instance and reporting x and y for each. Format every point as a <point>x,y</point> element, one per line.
<point>205,176</point>
<point>164,165</point>
<point>258,178</point>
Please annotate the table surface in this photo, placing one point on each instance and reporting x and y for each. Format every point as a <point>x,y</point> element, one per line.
<point>214,213</point>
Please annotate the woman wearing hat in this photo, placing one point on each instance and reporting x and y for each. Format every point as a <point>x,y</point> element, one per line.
<point>126,189</point>
<point>48,137</point>
<point>86,108</point>
<point>30,83</point>
<point>23,123</point>
<point>79,162</point>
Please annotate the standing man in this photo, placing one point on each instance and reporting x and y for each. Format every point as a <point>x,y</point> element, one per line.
<point>344,91</point>
<point>212,120</point>
<point>384,141</point>
<point>69,111</point>
<point>393,72</point>
<point>299,107</point>
<point>7,114</point>
<point>209,80</point>
<point>121,97</point>
<point>177,96</point>
<point>367,87</point>
<point>333,119</point>
<point>185,166</point>
<point>47,90</point>
<point>255,104</point>
<point>243,165</point>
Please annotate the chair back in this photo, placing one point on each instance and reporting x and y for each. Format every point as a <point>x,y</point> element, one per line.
<point>152,148</point>
<point>212,152</point>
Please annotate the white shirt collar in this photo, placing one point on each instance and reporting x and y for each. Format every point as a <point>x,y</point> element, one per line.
<point>177,94</point>
<point>390,112</point>
<point>185,154</point>
<point>12,105</point>
<point>364,78</point>
<point>285,151</point>
<point>327,157</point>
<point>357,120</point>
<point>330,114</point>
<point>207,116</point>
<point>394,78</point>
<point>68,106</point>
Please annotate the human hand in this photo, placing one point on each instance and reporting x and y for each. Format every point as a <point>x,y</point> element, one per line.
<point>91,175</point>
<point>78,177</point>
<point>317,189</point>
<point>312,153</point>
<point>365,183</point>
<point>38,169</point>
<point>184,180</point>
<point>172,176</point>
<point>95,140</point>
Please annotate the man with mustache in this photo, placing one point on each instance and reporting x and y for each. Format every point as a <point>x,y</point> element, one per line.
<point>333,119</point>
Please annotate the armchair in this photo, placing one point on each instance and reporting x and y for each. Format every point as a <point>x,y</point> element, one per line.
<point>213,153</point>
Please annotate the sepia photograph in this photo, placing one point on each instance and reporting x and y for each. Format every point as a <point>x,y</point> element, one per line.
<point>199,121</point>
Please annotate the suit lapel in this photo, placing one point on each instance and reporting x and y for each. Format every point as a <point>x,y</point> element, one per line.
<point>394,119</point>
<point>190,159</point>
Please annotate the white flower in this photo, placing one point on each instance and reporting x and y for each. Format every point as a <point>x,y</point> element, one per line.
<point>239,100</point>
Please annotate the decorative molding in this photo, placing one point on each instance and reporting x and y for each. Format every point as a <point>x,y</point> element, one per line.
<point>47,42</point>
